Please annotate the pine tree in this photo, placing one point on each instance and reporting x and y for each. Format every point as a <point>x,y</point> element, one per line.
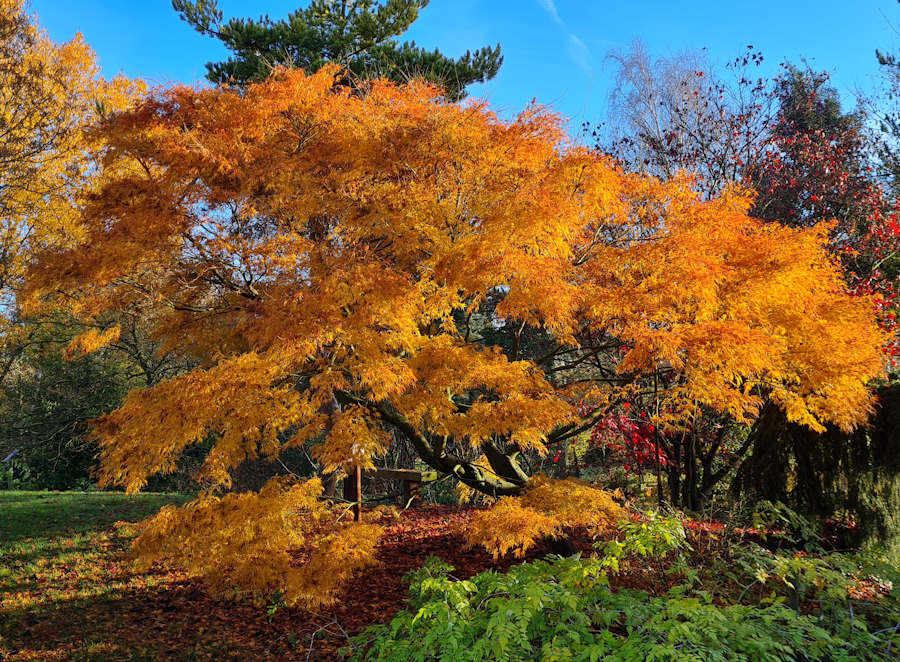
<point>358,34</point>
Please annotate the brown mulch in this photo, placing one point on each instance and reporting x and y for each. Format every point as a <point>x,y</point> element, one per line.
<point>178,620</point>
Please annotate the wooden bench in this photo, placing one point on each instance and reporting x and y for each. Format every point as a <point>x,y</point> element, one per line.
<point>412,483</point>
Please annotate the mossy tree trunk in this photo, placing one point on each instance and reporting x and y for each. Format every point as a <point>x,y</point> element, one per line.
<point>834,473</point>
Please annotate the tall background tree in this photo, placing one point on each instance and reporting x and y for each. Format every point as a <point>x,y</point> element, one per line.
<point>357,34</point>
<point>680,113</point>
<point>889,120</point>
<point>49,93</point>
<point>808,162</point>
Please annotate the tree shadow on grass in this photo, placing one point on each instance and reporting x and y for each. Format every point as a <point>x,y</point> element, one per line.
<point>175,622</point>
<point>27,515</point>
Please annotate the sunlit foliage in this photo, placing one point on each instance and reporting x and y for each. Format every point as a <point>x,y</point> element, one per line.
<point>542,511</point>
<point>319,244</point>
<point>247,541</point>
<point>48,92</point>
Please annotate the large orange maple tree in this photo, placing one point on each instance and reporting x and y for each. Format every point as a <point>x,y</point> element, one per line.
<point>350,265</point>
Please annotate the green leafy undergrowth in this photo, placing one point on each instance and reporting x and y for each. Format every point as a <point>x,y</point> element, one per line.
<point>564,609</point>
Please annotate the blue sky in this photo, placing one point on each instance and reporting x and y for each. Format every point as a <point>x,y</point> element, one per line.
<point>554,50</point>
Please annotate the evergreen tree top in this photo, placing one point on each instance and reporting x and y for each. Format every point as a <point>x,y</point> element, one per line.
<point>359,34</point>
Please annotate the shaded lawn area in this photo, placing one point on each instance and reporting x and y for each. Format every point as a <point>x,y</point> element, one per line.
<point>45,515</point>
<point>67,591</point>
<point>62,550</point>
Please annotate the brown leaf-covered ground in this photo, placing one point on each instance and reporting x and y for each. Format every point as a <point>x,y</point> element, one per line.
<point>71,595</point>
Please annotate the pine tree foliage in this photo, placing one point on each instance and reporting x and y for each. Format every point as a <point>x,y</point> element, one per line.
<point>357,34</point>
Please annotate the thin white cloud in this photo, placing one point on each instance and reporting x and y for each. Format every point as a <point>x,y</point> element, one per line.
<point>581,54</point>
<point>550,7</point>
<point>578,51</point>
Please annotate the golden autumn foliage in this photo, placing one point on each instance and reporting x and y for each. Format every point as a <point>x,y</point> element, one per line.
<point>573,502</point>
<point>352,440</point>
<point>543,510</point>
<point>348,264</point>
<point>247,539</point>
<point>508,526</point>
<point>48,94</point>
<point>90,340</point>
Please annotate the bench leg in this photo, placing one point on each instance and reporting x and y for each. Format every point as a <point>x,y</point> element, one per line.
<point>411,490</point>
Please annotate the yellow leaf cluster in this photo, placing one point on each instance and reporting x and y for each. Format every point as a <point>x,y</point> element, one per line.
<point>351,441</point>
<point>521,404</point>
<point>508,526</point>
<point>234,400</point>
<point>49,93</point>
<point>545,508</point>
<point>574,502</point>
<point>334,559</point>
<point>244,544</point>
<point>736,308</point>
<point>91,340</point>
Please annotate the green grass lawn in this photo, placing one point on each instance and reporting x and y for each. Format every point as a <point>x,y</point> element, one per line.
<point>61,559</point>
<point>45,515</point>
<point>68,591</point>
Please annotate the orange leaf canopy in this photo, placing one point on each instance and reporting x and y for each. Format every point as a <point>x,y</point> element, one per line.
<point>315,243</point>
<point>347,264</point>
